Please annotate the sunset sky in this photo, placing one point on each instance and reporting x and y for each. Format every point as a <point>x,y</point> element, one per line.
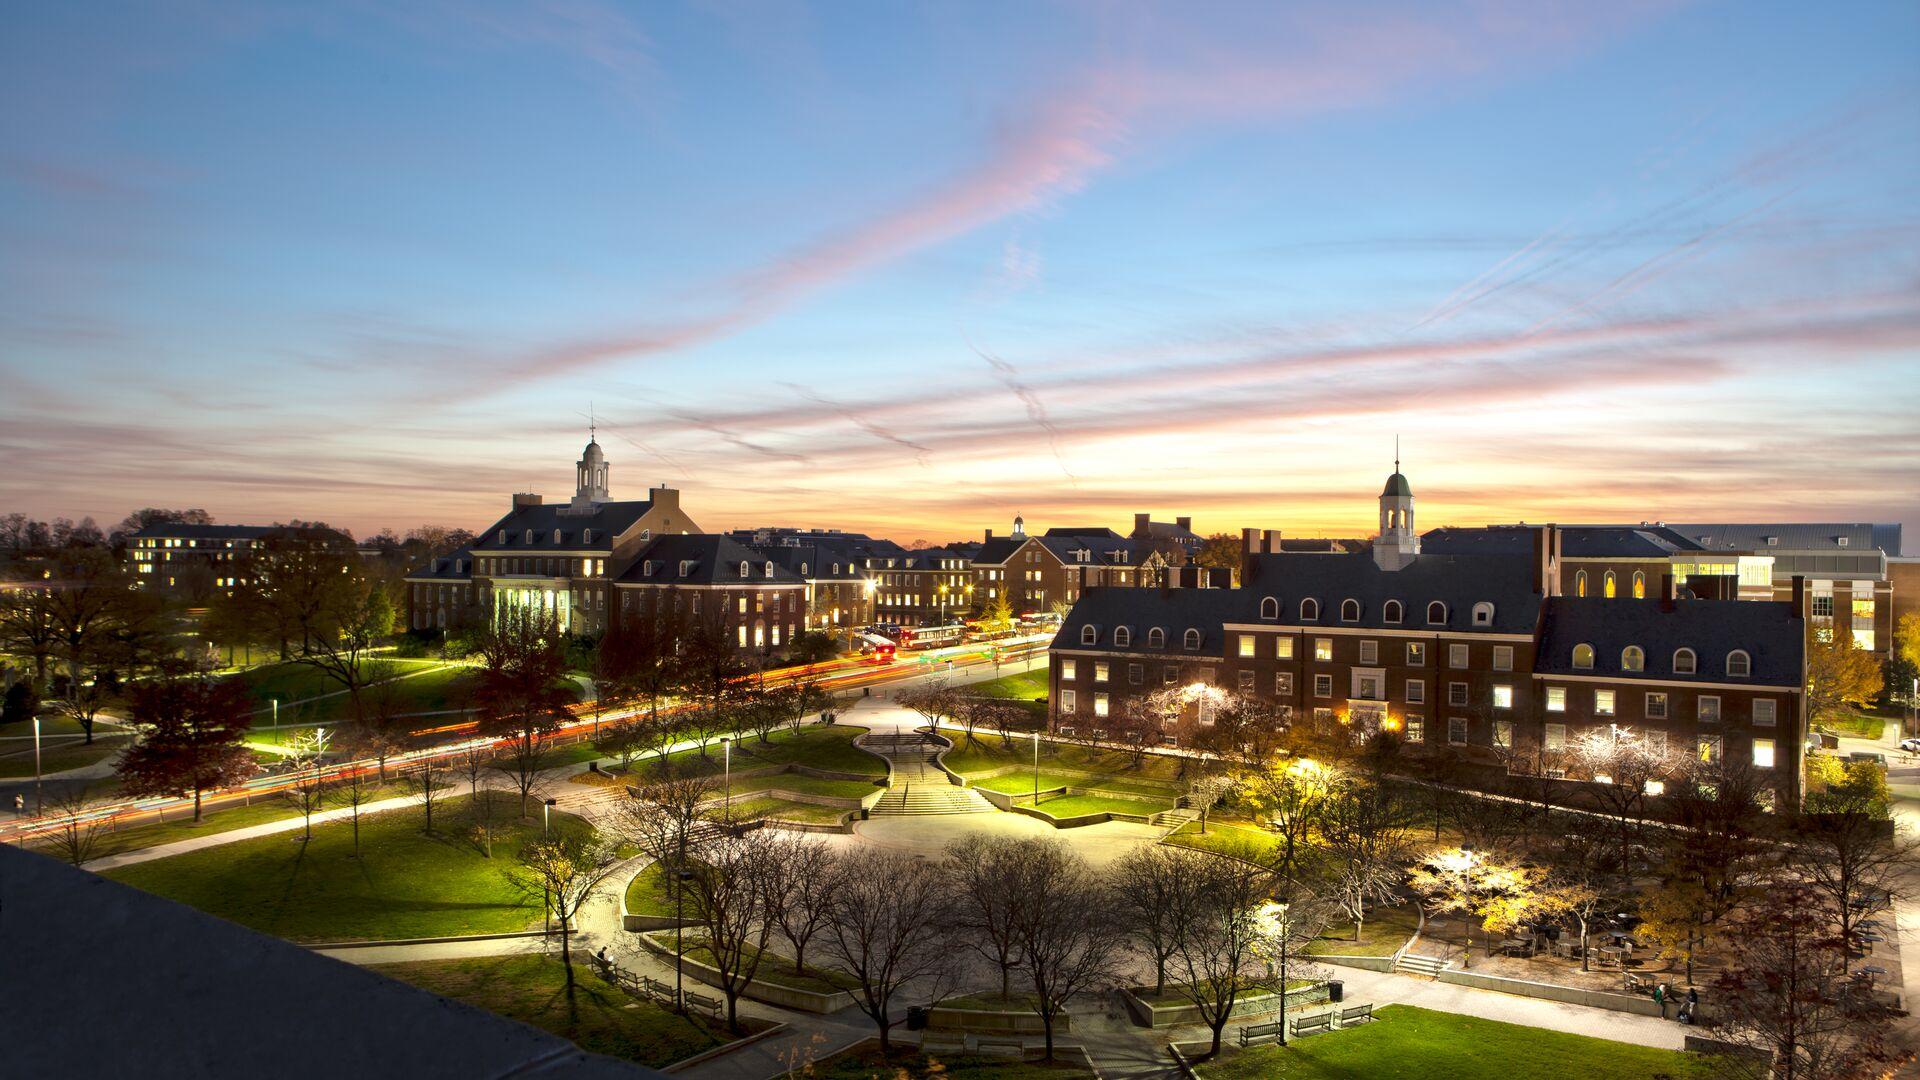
<point>912,269</point>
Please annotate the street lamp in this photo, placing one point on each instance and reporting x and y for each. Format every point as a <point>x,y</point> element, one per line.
<point>1284,903</point>
<point>39,803</point>
<point>1036,770</point>
<point>726,775</point>
<point>679,920</point>
<point>546,816</point>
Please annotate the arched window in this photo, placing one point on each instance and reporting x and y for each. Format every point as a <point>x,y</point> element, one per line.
<point>1193,639</point>
<point>745,570</point>
<point>1391,612</point>
<point>1089,635</point>
<point>1639,585</point>
<point>1483,614</point>
<point>1580,583</point>
<point>1436,613</point>
<point>1122,636</point>
<point>1633,658</point>
<point>1607,586</point>
<point>1739,664</point>
<point>803,569</point>
<point>1309,610</point>
<point>1269,608</point>
<point>556,536</point>
<point>1156,638</point>
<point>1583,657</point>
<point>1349,611</point>
<point>1683,662</point>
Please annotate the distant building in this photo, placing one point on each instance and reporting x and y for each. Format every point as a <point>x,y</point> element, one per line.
<point>1845,567</point>
<point>197,562</point>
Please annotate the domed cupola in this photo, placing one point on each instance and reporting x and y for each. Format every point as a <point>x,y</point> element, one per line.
<point>1398,544</point>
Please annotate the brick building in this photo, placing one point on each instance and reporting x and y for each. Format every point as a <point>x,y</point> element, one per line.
<point>196,562</point>
<point>762,603</point>
<point>1845,566</point>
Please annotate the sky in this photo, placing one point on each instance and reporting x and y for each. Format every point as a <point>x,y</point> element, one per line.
<point>913,269</point>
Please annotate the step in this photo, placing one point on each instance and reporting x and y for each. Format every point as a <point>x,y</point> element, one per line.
<point>1414,964</point>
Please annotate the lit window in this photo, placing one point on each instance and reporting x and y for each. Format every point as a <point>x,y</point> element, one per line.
<point>1503,696</point>
<point>1763,753</point>
<point>1099,704</point>
<point>1556,736</point>
<point>1583,657</point>
<point>1283,648</point>
<point>1603,703</point>
<point>1416,729</point>
<point>1247,645</point>
<point>1066,668</point>
<point>1639,585</point>
<point>1503,734</point>
<point>1708,748</point>
<point>1607,586</point>
<point>1322,648</point>
<point>1416,654</point>
<point>1580,583</point>
<point>1633,658</point>
<point>1100,672</point>
<point>1556,699</point>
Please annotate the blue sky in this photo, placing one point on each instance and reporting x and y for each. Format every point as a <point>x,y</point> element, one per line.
<point>916,268</point>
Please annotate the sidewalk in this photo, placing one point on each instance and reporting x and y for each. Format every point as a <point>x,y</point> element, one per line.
<point>1383,988</point>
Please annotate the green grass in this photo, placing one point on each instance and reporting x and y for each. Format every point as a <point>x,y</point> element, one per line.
<point>440,687</point>
<point>907,1063</point>
<point>601,1018</point>
<point>1072,806</point>
<point>1409,1042</point>
<point>58,756</point>
<point>1019,783</point>
<point>1221,838</point>
<point>406,883</point>
<point>261,811</point>
<point>755,807</point>
<point>651,892</point>
<point>805,785</point>
<point>575,754</point>
<point>777,969</point>
<point>51,724</point>
<point>1856,725</point>
<point>1175,994</point>
<point>819,746</point>
<point>1085,766</point>
<point>1385,931</point>
<point>1022,686</point>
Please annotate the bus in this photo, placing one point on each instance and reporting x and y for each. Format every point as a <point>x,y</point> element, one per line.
<point>1038,622</point>
<point>932,637</point>
<point>877,650</point>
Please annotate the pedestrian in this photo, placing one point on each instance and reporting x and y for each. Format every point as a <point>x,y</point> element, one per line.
<point>19,803</point>
<point>1693,1003</point>
<point>1660,999</point>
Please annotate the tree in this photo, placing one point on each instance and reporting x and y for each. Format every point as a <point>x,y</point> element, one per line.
<point>77,821</point>
<point>349,619</point>
<point>1623,765</point>
<point>564,869</point>
<point>728,899</point>
<point>194,738</point>
<point>1856,864</point>
<point>1204,792</point>
<point>663,817</point>
<point>28,627</point>
<point>887,931</point>
<point>1366,836</point>
<point>20,704</point>
<point>522,692</point>
<point>354,791</point>
<point>996,617</point>
<point>1221,551</point>
<point>987,873</point>
<point>1840,678</point>
<point>426,785</point>
<point>813,647</point>
<point>1287,794</point>
<point>935,704</point>
<point>1581,886</point>
<point>1246,729</point>
<point>1786,992</point>
<point>1847,787</point>
<point>1154,894</point>
<point>152,515</point>
<point>307,794</point>
<point>1475,885</point>
<point>1064,951</point>
<point>93,608</point>
<point>802,877</point>
<point>1227,948</point>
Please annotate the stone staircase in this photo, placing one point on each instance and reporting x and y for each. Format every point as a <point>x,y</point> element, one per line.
<point>1172,820</point>
<point>919,785</point>
<point>1415,964</point>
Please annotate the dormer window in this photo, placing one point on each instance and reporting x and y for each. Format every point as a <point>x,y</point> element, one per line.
<point>1633,658</point>
<point>1349,611</point>
<point>686,567</point>
<point>527,537</point>
<point>1088,634</point>
<point>803,569</point>
<point>1840,541</point>
<point>1739,664</point>
<point>1156,638</point>
<point>1122,636</point>
<point>1583,657</point>
<point>1193,640</point>
<point>646,568</point>
<point>769,572</point>
<point>1309,610</point>
<point>503,536</point>
<point>1483,612</point>
<point>1436,614</point>
<point>1392,612</point>
<point>1772,541</point>
<point>556,536</point>
<point>745,570</point>
<point>1683,662</point>
<point>586,536</point>
<point>1270,609</point>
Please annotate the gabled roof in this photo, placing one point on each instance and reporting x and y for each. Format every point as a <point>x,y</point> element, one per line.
<point>1174,611</point>
<point>1083,530</point>
<point>998,550</point>
<point>707,559</point>
<point>1576,541</point>
<point>1766,630</point>
<point>1108,550</point>
<point>453,566</point>
<point>1457,581</point>
<point>604,522</point>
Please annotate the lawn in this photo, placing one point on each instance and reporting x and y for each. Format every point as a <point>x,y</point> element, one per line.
<point>1072,806</point>
<point>1385,931</point>
<point>429,687</point>
<point>405,884</point>
<point>1021,783</point>
<point>266,808</point>
<point>1241,841</point>
<point>865,1063</point>
<point>1087,766</point>
<point>651,892</point>
<point>16,758</point>
<point>1023,686</point>
<point>805,785</point>
<point>754,807</point>
<point>820,746</point>
<point>1856,725</point>
<point>1409,1042</point>
<point>601,1019</point>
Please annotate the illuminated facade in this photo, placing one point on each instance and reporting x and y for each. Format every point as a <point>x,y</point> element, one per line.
<point>196,562</point>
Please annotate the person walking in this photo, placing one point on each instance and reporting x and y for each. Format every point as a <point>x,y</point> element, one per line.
<point>1692,1003</point>
<point>1660,999</point>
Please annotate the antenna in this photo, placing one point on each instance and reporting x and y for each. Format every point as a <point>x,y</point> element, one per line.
<point>1396,453</point>
<point>593,427</point>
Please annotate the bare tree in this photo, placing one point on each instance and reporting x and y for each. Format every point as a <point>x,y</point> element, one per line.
<point>1204,792</point>
<point>307,794</point>
<point>802,876</point>
<point>564,869</point>
<point>78,820</point>
<point>1622,764</point>
<point>728,899</point>
<point>1855,864</point>
<point>1153,896</point>
<point>1065,951</point>
<point>1227,948</point>
<point>987,873</point>
<point>662,819</point>
<point>888,931</point>
<point>1287,795</point>
<point>353,791</point>
<point>1365,834</point>
<point>523,692</point>
<point>424,783</point>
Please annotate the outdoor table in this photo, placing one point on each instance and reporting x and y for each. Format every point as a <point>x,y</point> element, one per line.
<point>1871,971</point>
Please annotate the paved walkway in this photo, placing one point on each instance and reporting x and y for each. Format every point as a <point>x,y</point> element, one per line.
<point>195,843</point>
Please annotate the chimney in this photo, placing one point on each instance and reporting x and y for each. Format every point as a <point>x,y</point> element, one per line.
<point>1250,541</point>
<point>1139,526</point>
<point>1184,523</point>
<point>525,498</point>
<point>1270,542</point>
<point>664,497</point>
<point>989,536</point>
<point>1799,596</point>
<point>1669,589</point>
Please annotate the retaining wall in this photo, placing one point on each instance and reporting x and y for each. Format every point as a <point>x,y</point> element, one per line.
<point>1159,1016</point>
<point>1572,995</point>
<point>788,997</point>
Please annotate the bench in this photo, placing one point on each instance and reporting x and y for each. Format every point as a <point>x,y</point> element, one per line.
<point>1254,1033</point>
<point>710,1005</point>
<point>1014,1047</point>
<point>656,989</point>
<point>1356,1014</point>
<point>1308,1025</point>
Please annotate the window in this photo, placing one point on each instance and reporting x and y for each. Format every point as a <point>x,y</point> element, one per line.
<point>1457,693</point>
<point>1169,675</point>
<point>1246,681</point>
<point>1067,668</point>
<point>1323,686</point>
<point>1322,648</point>
<point>1416,729</point>
<point>1708,748</point>
<point>1416,654</point>
<point>1192,639</point>
<point>1656,741</point>
<point>1639,585</point>
<point>1709,706</point>
<point>1269,608</point>
<point>1457,730</point>
<point>1391,612</point>
<point>1283,648</point>
<point>1556,737</point>
<point>1607,586</point>
<point>1683,662</point>
<point>1369,652</point>
<point>1122,636</point>
<point>1603,703</point>
<point>1100,672</point>
<point>1503,734</point>
<point>1247,644</point>
<point>1309,610</point>
<point>1556,699</point>
<point>1503,696</point>
<point>1416,691</point>
<point>1483,614</point>
<point>1156,638</point>
<point>1656,706</point>
<point>745,570</point>
<point>1580,583</point>
<point>1099,704</point>
<point>1763,753</point>
<point>1763,712</point>
<point>1456,656</point>
<point>1350,611</point>
<point>1283,684</point>
<point>1503,658</point>
<point>1633,658</point>
<point>1739,664</point>
<point>1323,716</point>
<point>1583,657</point>
<point>1089,635</point>
<point>1436,613</point>
<point>1067,702</point>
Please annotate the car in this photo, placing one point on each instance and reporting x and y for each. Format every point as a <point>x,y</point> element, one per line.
<point>1911,746</point>
<point>1868,755</point>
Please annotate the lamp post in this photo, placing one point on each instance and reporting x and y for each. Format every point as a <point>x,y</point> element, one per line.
<point>546,816</point>
<point>679,920</point>
<point>1468,857</point>
<point>1285,903</point>
<point>276,712</point>
<point>1036,770</point>
<point>39,803</point>
<point>726,779</point>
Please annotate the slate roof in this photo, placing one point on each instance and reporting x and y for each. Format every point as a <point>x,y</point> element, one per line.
<point>822,561</point>
<point>1576,541</point>
<point>998,550</point>
<point>1793,536</point>
<point>1458,581</point>
<point>1109,550</point>
<point>606,521</point>
<point>1100,531</point>
<point>1766,630</point>
<point>1140,610</point>
<point>711,560</point>
<point>453,566</point>
<point>183,531</point>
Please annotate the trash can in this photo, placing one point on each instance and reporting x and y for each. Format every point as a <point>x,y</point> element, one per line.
<point>916,1017</point>
<point>1336,991</point>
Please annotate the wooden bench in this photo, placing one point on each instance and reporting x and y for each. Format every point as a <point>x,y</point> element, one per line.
<point>1356,1014</point>
<point>710,1005</point>
<point>656,989</point>
<point>1256,1033</point>
<point>1308,1025</point>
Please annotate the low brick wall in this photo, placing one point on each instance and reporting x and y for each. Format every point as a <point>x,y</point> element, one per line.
<point>1364,963</point>
<point>998,1023</point>
<point>771,993</point>
<point>1571,995</point>
<point>1159,1016</point>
